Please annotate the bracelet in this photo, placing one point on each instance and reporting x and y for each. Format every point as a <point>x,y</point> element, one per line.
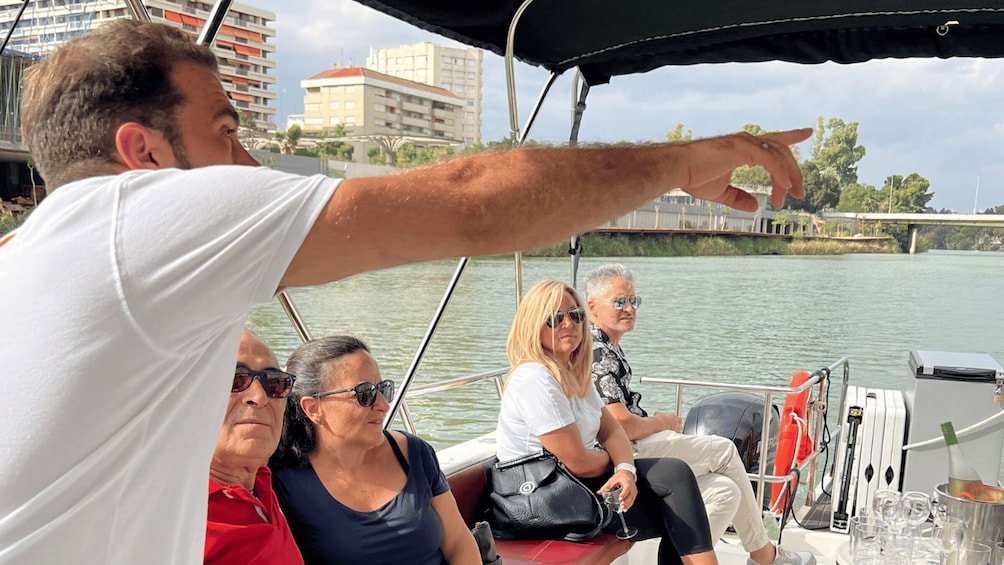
<point>627,467</point>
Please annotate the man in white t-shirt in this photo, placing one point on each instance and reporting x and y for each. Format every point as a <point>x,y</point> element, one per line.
<point>129,285</point>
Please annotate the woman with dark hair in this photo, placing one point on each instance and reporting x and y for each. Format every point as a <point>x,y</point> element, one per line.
<point>352,492</point>
<point>550,403</point>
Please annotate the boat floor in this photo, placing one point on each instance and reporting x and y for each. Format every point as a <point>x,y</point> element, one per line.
<point>810,533</point>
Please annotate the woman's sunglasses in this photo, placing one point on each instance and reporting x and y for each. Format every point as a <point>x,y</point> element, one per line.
<point>366,393</point>
<point>576,315</point>
<point>619,302</point>
<point>277,384</point>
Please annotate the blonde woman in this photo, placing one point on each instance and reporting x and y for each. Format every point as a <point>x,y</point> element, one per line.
<point>550,403</point>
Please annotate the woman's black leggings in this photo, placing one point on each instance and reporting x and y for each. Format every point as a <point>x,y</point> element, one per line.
<point>669,505</point>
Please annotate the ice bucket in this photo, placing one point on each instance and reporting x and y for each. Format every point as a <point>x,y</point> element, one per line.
<point>984,520</point>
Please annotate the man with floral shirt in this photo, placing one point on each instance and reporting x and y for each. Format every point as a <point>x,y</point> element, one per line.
<point>728,494</point>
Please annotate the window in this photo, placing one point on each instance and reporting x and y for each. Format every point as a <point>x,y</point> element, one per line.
<point>313,121</point>
<point>447,60</point>
<point>470,88</point>
<point>311,107</point>
<point>408,74</point>
<point>468,128</point>
<point>380,107</point>
<point>448,85</point>
<point>333,121</point>
<point>421,59</point>
<point>333,106</point>
<point>409,60</point>
<point>350,120</point>
<point>470,102</point>
<point>350,105</point>
<point>472,62</point>
<point>471,76</point>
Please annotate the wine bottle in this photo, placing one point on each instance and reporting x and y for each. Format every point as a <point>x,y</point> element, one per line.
<point>963,480</point>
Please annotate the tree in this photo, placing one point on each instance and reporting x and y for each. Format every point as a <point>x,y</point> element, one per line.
<point>677,134</point>
<point>906,195</point>
<point>337,150</point>
<point>838,152</point>
<point>289,139</point>
<point>859,198</point>
<point>376,156</point>
<point>822,189</point>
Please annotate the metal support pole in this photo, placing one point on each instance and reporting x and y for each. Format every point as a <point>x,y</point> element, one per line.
<point>137,10</point>
<point>431,331</point>
<point>13,24</point>
<point>212,26</point>
<point>294,316</point>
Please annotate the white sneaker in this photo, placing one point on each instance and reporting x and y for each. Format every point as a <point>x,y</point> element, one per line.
<point>785,557</point>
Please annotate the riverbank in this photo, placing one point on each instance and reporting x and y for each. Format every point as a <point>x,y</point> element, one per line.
<point>690,245</point>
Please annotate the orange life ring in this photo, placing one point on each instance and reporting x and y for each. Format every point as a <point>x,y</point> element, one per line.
<point>789,438</point>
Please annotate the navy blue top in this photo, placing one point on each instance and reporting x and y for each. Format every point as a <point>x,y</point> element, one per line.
<point>405,530</point>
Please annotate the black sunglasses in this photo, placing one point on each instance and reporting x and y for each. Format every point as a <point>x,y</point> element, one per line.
<point>619,302</point>
<point>576,315</point>
<point>366,393</point>
<point>277,384</point>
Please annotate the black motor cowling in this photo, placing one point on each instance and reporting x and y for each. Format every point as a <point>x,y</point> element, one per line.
<point>739,417</point>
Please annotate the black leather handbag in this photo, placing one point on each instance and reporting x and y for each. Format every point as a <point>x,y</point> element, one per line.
<point>536,497</point>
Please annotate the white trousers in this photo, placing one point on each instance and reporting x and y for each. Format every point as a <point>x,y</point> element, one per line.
<point>727,492</point>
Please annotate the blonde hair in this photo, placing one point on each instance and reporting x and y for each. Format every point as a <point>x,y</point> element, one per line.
<point>524,346</point>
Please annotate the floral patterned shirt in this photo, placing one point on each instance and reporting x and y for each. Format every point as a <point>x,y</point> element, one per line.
<point>612,374</point>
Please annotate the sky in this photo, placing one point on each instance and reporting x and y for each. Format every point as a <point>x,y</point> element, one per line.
<point>941,119</point>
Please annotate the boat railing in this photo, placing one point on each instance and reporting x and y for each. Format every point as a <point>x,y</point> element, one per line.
<point>816,411</point>
<point>496,375</point>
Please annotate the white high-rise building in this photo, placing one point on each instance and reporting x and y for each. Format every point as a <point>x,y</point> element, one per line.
<point>244,44</point>
<point>456,69</point>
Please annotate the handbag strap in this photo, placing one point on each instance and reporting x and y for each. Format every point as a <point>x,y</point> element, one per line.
<point>605,514</point>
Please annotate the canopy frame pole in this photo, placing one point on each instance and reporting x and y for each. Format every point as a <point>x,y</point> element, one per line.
<point>17,19</point>
<point>578,108</point>
<point>398,399</point>
<point>212,26</point>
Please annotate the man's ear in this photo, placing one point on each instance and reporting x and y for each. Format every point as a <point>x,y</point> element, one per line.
<point>140,147</point>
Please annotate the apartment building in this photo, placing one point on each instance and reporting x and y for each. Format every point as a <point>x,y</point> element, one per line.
<point>245,44</point>
<point>372,104</point>
<point>456,69</point>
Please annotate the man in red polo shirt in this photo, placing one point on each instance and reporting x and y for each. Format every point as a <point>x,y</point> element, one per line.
<point>245,525</point>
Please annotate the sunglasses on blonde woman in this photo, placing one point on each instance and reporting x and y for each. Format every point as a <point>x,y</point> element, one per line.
<point>366,393</point>
<point>576,315</point>
<point>277,384</point>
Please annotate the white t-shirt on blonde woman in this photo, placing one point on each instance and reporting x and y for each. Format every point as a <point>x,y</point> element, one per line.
<point>534,404</point>
<point>125,300</point>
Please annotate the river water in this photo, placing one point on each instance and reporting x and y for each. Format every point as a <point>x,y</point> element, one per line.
<point>730,319</point>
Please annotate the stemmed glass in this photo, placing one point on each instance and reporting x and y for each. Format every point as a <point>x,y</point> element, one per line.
<point>889,506</point>
<point>613,499</point>
<point>917,507</point>
<point>948,538</point>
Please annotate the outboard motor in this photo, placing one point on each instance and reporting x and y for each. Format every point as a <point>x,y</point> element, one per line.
<point>739,417</point>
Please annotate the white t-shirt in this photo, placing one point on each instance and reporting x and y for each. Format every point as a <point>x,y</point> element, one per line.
<point>534,404</point>
<point>124,300</point>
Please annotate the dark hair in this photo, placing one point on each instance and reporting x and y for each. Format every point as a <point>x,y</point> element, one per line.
<point>312,362</point>
<point>76,99</point>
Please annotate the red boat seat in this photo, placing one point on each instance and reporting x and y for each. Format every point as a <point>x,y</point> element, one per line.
<point>470,488</point>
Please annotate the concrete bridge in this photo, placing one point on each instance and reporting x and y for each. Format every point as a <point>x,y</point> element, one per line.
<point>913,221</point>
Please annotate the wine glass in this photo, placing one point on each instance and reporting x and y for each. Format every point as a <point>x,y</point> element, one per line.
<point>949,537</point>
<point>613,499</point>
<point>917,506</point>
<point>890,508</point>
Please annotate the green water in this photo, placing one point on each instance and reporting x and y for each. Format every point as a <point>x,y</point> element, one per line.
<point>728,319</point>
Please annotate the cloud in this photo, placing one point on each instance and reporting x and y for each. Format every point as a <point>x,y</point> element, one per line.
<point>939,118</point>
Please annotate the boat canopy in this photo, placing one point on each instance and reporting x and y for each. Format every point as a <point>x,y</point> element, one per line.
<point>606,39</point>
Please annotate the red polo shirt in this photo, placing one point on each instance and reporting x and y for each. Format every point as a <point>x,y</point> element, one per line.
<point>245,530</point>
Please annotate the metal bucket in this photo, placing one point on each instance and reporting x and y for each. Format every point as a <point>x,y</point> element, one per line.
<point>984,520</point>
